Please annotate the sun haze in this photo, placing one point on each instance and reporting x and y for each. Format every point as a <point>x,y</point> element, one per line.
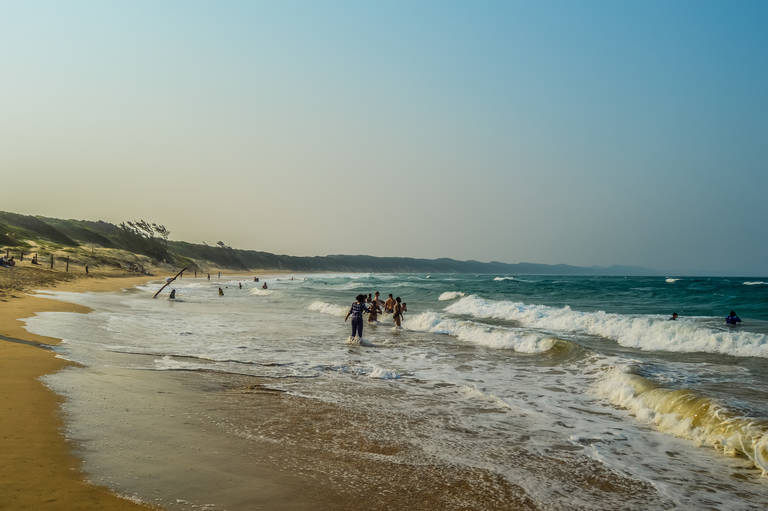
<point>584,133</point>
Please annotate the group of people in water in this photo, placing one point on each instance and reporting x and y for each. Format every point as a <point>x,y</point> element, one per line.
<point>373,305</point>
<point>731,319</point>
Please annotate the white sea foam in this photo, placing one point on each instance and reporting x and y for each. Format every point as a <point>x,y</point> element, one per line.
<point>468,331</point>
<point>671,281</point>
<point>260,292</point>
<point>474,393</point>
<point>167,363</point>
<point>450,295</point>
<point>499,279</point>
<point>328,308</point>
<point>642,331</point>
<point>686,414</point>
<point>384,374</point>
<point>756,283</point>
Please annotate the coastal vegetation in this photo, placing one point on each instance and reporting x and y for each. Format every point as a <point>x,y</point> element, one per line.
<point>137,245</point>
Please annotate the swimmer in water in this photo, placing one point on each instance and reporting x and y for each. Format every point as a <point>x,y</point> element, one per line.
<point>733,319</point>
<point>264,286</point>
<point>221,292</point>
<point>674,317</point>
<point>173,294</point>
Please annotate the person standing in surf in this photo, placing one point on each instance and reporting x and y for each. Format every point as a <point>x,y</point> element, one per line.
<point>397,315</point>
<point>373,312</point>
<point>389,305</point>
<point>356,311</point>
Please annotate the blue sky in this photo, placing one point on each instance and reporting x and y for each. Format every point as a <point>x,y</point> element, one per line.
<point>577,132</point>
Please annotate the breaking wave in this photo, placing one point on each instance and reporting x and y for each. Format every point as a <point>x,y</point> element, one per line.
<point>499,279</point>
<point>686,414</point>
<point>328,308</point>
<point>670,281</point>
<point>260,292</point>
<point>467,331</point>
<point>642,331</point>
<point>450,295</point>
<point>756,283</point>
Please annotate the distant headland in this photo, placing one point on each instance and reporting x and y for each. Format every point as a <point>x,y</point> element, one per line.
<point>133,245</point>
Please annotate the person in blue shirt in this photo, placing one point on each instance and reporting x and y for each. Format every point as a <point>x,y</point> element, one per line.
<point>733,319</point>
<point>356,311</point>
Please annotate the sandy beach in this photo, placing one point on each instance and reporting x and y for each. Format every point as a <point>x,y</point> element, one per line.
<point>37,467</point>
<point>328,461</point>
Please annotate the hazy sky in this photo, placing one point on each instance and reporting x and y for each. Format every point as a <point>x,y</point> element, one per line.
<point>577,132</point>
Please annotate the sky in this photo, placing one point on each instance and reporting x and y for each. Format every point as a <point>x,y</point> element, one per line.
<point>579,132</point>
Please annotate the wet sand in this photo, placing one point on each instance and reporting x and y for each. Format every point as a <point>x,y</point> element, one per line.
<point>37,469</point>
<point>222,441</point>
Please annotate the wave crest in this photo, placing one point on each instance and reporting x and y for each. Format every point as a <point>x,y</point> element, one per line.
<point>641,332</point>
<point>685,414</point>
<point>328,308</point>
<point>450,295</point>
<point>523,342</point>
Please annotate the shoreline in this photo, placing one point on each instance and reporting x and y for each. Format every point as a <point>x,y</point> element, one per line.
<point>149,429</point>
<point>57,473</point>
<point>38,469</point>
<point>38,465</point>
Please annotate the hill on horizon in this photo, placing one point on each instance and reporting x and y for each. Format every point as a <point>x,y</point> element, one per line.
<point>31,233</point>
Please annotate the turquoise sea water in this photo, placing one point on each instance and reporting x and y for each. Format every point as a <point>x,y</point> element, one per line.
<point>539,379</point>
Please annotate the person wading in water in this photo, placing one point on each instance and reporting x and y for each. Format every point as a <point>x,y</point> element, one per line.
<point>356,311</point>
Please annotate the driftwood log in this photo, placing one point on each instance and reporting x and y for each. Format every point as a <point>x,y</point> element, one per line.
<point>169,281</point>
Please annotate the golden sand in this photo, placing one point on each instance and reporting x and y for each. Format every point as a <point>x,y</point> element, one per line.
<point>37,469</point>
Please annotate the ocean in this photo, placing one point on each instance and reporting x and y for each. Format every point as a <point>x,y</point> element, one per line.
<point>499,392</point>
